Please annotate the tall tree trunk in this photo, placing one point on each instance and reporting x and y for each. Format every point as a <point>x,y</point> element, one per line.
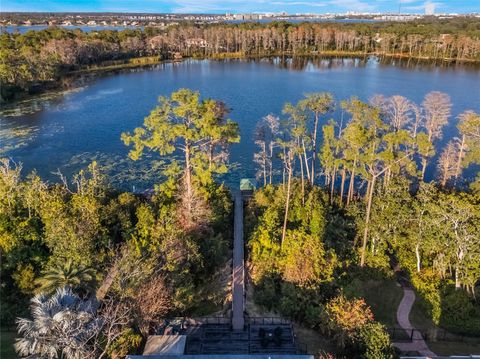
<point>367,219</point>
<point>332,184</point>
<point>270,169</point>
<point>424,168</point>
<point>417,254</point>
<point>210,156</point>
<point>303,178</point>
<point>457,279</point>
<point>188,179</point>
<point>460,256</point>
<point>287,204</point>
<point>314,154</point>
<point>352,180</point>
<point>342,185</point>
<point>264,165</point>
<point>460,159</point>
<point>306,159</point>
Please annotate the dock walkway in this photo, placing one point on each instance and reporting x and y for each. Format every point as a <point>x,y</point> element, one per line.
<point>238,277</point>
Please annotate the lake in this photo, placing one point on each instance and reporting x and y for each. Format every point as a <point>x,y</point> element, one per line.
<point>85,28</point>
<point>66,130</point>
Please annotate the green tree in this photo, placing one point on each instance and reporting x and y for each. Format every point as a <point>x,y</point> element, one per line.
<point>346,317</point>
<point>305,259</point>
<point>372,341</point>
<point>328,155</point>
<point>194,127</point>
<point>317,104</point>
<point>380,151</point>
<point>73,220</point>
<point>469,144</point>
<point>67,274</point>
<point>459,217</point>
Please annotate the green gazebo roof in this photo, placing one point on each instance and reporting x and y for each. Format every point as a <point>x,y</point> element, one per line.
<point>248,184</point>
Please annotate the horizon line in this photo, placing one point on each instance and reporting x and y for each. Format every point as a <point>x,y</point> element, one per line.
<point>281,13</point>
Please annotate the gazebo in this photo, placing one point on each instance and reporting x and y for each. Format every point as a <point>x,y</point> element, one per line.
<point>248,185</point>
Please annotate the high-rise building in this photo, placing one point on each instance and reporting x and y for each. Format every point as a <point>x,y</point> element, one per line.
<point>430,8</point>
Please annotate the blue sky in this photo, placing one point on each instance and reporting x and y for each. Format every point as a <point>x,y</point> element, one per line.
<point>222,6</point>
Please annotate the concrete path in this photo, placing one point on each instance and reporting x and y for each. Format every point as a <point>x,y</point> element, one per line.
<point>238,281</point>
<point>418,344</point>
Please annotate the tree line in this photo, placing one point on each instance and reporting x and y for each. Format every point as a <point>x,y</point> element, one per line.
<point>373,143</point>
<point>45,56</point>
<point>339,208</point>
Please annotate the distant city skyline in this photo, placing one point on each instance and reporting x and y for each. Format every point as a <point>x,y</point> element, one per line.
<point>243,6</point>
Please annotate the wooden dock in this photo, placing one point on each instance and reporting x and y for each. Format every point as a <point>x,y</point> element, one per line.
<point>238,275</point>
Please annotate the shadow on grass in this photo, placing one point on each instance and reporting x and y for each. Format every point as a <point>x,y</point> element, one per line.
<point>7,339</point>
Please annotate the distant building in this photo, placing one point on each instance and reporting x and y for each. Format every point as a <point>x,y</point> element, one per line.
<point>396,17</point>
<point>429,8</point>
<point>196,42</point>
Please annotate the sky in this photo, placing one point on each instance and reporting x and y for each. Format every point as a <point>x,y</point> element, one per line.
<point>242,6</point>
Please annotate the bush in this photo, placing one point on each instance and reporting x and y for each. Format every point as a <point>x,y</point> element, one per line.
<point>345,317</point>
<point>372,341</point>
<point>459,312</point>
<point>127,343</point>
<point>428,286</point>
<point>451,309</point>
<point>266,292</point>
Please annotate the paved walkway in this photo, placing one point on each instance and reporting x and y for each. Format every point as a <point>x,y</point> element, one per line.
<point>418,344</point>
<point>238,282</point>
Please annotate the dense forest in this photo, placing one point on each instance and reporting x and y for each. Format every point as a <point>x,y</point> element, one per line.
<point>340,204</point>
<point>313,245</point>
<point>36,59</point>
<point>120,261</point>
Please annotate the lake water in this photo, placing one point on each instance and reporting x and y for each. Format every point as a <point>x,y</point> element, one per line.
<point>24,28</point>
<point>67,130</point>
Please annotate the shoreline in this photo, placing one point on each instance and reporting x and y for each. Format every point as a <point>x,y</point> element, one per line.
<point>139,62</point>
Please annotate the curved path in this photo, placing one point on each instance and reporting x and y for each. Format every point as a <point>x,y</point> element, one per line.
<point>238,281</point>
<point>418,344</point>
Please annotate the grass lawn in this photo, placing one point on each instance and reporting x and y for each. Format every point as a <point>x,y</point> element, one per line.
<point>454,348</point>
<point>314,342</point>
<point>419,316</point>
<point>7,338</point>
<point>383,296</point>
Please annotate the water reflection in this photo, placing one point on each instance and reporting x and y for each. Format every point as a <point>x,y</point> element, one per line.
<point>302,63</point>
<point>67,129</point>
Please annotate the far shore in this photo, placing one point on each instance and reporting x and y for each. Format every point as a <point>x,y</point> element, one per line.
<point>139,62</point>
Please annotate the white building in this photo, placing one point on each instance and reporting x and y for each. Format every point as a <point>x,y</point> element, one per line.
<point>429,8</point>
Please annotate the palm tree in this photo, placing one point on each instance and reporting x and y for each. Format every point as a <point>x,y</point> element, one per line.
<point>66,274</point>
<point>62,327</point>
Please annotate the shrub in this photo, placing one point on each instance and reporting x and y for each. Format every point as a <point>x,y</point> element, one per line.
<point>428,285</point>
<point>459,312</point>
<point>345,317</point>
<point>372,341</point>
<point>266,292</point>
<point>126,344</point>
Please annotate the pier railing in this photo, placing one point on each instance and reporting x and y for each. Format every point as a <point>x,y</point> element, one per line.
<point>268,320</point>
